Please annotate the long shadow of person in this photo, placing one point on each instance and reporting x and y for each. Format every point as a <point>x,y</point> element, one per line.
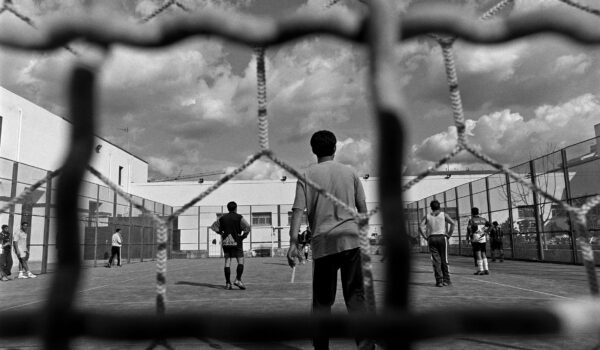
<point>196,284</point>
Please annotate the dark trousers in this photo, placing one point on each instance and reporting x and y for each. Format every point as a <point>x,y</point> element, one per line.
<point>438,247</point>
<point>325,285</point>
<point>474,247</point>
<point>115,251</point>
<point>6,262</point>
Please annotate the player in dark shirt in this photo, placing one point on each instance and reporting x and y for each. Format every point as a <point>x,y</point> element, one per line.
<point>496,244</point>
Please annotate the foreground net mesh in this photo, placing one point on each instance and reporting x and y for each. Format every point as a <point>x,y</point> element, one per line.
<point>380,32</point>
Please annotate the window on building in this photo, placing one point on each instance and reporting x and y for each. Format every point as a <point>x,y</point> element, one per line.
<point>261,219</point>
<point>303,220</point>
<point>526,211</point>
<point>120,175</point>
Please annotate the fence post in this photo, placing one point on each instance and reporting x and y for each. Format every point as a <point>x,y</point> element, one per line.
<point>536,211</point>
<point>510,216</point>
<point>96,224</point>
<point>563,155</point>
<point>47,222</point>
<point>458,221</point>
<point>487,197</point>
<point>199,231</point>
<point>142,234</point>
<point>13,194</point>
<point>278,224</point>
<point>250,237</point>
<point>129,234</point>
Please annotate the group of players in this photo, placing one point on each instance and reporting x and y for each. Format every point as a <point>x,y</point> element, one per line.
<point>333,236</point>
<point>437,228</point>
<point>332,239</point>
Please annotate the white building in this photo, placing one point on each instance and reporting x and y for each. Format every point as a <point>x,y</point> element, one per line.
<point>34,136</point>
<point>266,204</point>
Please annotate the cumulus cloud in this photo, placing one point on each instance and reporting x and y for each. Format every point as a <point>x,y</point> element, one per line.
<point>259,170</point>
<point>498,62</point>
<point>572,64</point>
<point>511,138</point>
<point>193,104</point>
<point>163,166</point>
<point>356,153</point>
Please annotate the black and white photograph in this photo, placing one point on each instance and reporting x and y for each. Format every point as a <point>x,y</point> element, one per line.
<point>300,174</point>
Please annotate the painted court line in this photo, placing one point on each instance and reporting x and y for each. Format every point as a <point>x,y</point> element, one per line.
<point>510,286</point>
<point>202,300</point>
<point>515,287</point>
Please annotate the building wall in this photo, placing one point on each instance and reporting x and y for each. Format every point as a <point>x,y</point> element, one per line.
<point>268,196</point>
<point>34,136</point>
<point>265,192</point>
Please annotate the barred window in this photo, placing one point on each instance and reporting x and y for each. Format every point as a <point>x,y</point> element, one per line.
<point>261,219</point>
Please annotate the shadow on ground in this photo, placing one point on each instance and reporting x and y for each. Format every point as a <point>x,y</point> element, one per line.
<point>196,284</point>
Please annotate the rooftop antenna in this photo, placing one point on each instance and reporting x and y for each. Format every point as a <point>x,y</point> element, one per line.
<point>126,130</point>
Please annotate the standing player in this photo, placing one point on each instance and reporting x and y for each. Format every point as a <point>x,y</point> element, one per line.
<point>335,235</point>
<point>433,229</point>
<point>6,261</point>
<point>477,230</point>
<point>496,244</point>
<point>304,242</point>
<point>115,249</point>
<point>233,229</point>
<point>22,251</point>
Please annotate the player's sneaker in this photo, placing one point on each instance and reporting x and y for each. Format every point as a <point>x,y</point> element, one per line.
<point>30,275</point>
<point>4,278</point>
<point>447,283</point>
<point>478,273</point>
<point>439,284</point>
<point>21,275</point>
<point>239,284</point>
<point>228,286</point>
<point>486,272</point>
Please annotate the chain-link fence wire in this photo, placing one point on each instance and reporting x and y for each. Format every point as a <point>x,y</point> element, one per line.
<point>380,31</point>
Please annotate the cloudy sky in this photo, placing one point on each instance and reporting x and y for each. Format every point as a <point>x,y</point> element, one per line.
<point>191,107</point>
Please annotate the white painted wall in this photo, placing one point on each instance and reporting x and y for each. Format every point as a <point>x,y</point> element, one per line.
<point>37,137</point>
<point>267,192</point>
<point>263,196</point>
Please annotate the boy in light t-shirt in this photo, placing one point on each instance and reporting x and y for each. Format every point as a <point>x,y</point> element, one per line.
<point>20,244</point>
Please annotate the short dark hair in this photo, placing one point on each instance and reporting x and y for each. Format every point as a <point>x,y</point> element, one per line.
<point>474,211</point>
<point>495,223</point>
<point>3,226</point>
<point>231,206</point>
<point>118,230</point>
<point>435,205</point>
<point>323,143</point>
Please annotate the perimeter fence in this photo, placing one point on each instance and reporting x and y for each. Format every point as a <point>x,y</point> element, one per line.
<point>380,31</point>
<point>99,213</point>
<point>534,227</point>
